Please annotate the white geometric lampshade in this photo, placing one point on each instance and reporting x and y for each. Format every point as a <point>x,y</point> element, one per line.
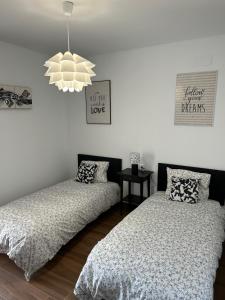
<point>135,158</point>
<point>69,72</point>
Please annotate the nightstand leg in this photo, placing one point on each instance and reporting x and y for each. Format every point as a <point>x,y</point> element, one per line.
<point>129,185</point>
<point>149,187</point>
<point>141,191</point>
<point>121,196</point>
<point>129,191</point>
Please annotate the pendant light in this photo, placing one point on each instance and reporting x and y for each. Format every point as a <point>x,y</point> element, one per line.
<point>69,72</point>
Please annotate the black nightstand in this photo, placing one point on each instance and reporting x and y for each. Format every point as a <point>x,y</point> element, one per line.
<point>141,177</point>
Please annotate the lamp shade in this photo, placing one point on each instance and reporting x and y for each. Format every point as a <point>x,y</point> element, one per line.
<point>135,157</point>
<point>69,72</point>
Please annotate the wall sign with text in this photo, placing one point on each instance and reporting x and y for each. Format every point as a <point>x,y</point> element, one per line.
<point>195,98</point>
<point>98,102</point>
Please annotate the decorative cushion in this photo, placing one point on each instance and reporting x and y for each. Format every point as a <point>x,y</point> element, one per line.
<point>101,172</point>
<point>204,180</point>
<point>184,190</point>
<point>86,172</point>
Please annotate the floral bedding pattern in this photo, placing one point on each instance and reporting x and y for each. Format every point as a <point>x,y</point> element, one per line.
<point>33,228</point>
<point>162,250</point>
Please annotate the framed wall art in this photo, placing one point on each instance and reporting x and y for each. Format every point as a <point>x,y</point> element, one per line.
<point>195,98</point>
<point>98,102</point>
<point>12,97</point>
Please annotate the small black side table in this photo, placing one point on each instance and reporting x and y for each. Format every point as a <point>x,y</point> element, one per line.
<point>141,177</point>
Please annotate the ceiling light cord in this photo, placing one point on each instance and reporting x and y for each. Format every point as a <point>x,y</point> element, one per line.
<point>69,71</point>
<point>68,34</point>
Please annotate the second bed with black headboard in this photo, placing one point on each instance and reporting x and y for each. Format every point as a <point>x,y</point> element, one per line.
<point>217,180</point>
<point>35,227</point>
<point>162,250</point>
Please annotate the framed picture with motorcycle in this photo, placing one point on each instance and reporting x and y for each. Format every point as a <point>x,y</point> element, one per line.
<point>15,97</point>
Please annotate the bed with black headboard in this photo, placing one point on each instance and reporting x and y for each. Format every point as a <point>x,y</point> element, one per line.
<point>33,228</point>
<point>217,181</point>
<point>162,250</point>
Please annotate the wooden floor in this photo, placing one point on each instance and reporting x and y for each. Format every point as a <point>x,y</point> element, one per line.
<point>57,279</point>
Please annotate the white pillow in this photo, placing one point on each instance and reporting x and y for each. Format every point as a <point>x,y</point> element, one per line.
<point>101,172</point>
<point>204,181</point>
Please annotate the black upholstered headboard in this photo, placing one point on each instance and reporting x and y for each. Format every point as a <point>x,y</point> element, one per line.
<point>217,182</point>
<point>115,164</point>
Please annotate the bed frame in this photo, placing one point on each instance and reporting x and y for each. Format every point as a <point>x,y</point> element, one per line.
<point>217,182</point>
<point>115,165</point>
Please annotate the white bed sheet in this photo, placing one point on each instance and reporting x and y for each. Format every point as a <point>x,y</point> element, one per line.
<point>162,250</point>
<point>33,228</point>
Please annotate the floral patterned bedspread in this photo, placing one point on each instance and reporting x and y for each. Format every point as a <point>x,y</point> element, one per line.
<point>162,250</point>
<point>33,228</point>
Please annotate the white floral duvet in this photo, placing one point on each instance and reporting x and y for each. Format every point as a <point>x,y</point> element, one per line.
<point>162,250</point>
<point>33,228</point>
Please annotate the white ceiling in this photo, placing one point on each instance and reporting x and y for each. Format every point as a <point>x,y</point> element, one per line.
<point>100,26</point>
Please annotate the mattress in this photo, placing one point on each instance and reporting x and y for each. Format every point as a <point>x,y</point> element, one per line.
<point>34,228</point>
<point>162,250</point>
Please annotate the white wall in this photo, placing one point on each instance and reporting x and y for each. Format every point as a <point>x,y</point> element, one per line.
<point>143,103</point>
<point>36,150</point>
<point>33,143</point>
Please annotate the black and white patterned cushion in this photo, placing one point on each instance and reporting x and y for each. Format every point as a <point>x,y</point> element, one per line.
<point>86,172</point>
<point>101,172</point>
<point>204,181</point>
<point>184,190</point>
